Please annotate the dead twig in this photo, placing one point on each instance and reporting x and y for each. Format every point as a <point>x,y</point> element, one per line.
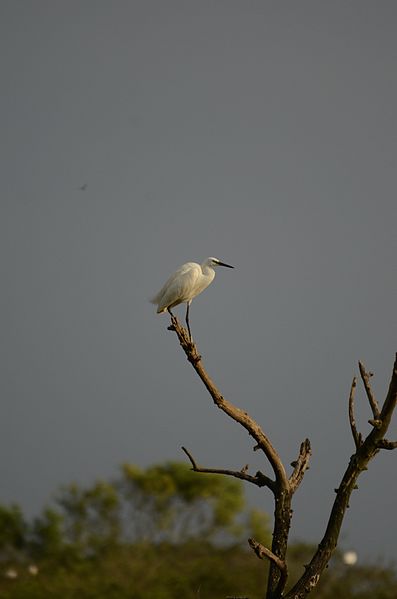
<point>259,479</point>
<point>264,553</point>
<point>356,435</point>
<point>385,444</point>
<point>366,376</point>
<point>300,465</point>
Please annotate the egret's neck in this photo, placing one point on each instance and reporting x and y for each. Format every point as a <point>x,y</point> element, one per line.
<point>207,270</point>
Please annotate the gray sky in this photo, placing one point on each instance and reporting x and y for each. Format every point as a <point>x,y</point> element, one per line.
<point>262,133</point>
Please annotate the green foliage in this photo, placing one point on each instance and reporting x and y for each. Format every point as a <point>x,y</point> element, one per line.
<point>166,503</point>
<point>91,517</point>
<point>47,534</point>
<point>192,570</point>
<point>158,533</point>
<point>13,528</point>
<point>176,504</point>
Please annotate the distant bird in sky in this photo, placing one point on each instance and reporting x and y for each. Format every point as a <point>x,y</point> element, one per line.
<point>83,187</point>
<point>187,282</point>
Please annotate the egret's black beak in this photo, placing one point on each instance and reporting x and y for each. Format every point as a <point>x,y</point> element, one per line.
<point>223,264</point>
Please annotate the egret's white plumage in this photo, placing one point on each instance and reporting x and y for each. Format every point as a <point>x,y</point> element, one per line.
<point>187,282</point>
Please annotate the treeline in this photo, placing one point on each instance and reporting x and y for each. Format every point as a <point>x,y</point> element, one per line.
<point>158,533</point>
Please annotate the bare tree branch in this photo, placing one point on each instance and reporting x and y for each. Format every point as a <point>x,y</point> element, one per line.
<point>375,422</point>
<point>358,462</point>
<point>366,376</point>
<point>356,435</point>
<point>390,401</point>
<point>263,552</point>
<point>385,444</point>
<point>259,479</point>
<point>300,465</point>
<point>235,413</point>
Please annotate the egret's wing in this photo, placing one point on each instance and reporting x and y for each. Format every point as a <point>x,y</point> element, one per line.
<point>169,282</point>
<point>178,287</point>
<point>184,285</point>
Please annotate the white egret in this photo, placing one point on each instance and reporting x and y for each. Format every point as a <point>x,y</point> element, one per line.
<point>187,282</point>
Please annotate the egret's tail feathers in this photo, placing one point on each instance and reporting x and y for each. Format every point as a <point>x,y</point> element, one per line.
<point>155,299</point>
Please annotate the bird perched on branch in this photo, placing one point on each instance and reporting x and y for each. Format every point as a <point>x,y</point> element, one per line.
<point>187,282</point>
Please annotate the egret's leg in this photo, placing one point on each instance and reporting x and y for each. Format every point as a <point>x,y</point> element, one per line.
<point>171,327</point>
<point>187,320</point>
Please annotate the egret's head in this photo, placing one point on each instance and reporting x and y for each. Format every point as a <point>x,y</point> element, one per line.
<point>215,262</point>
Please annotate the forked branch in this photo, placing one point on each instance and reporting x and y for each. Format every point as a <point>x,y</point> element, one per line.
<point>282,487</point>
